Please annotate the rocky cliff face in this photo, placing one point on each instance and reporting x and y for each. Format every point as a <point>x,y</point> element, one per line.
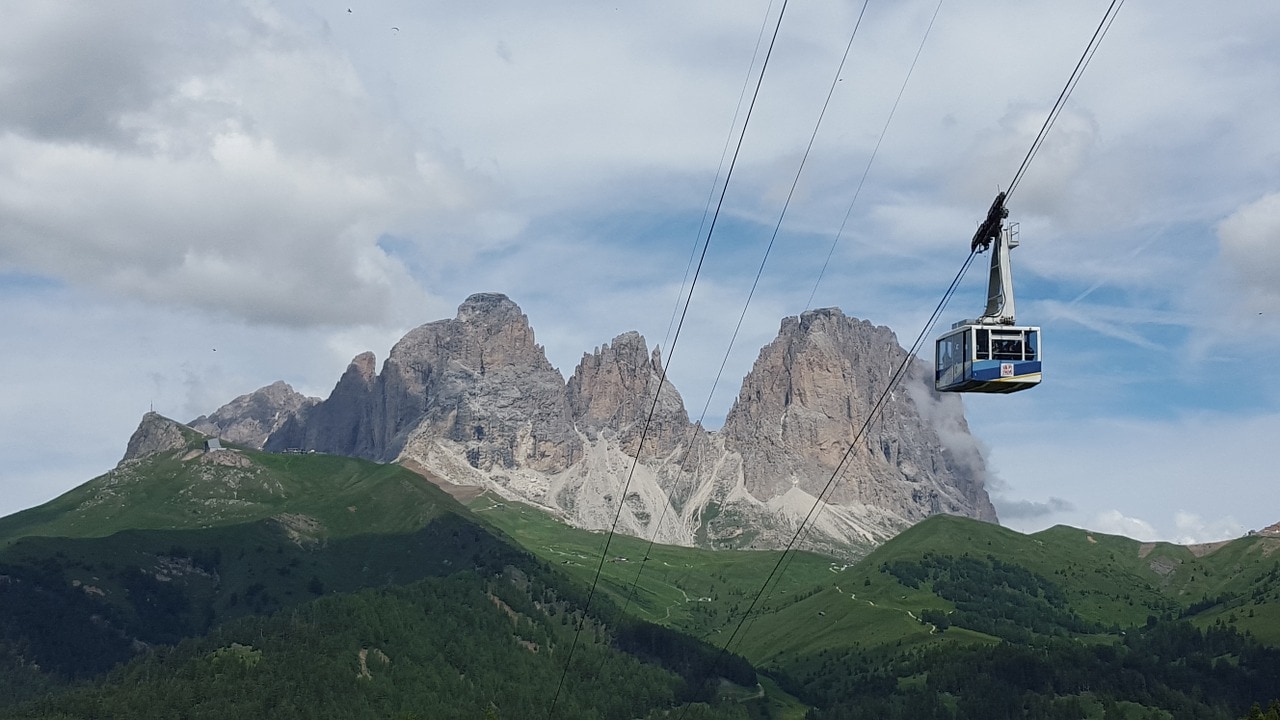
<point>481,383</point>
<point>477,385</point>
<point>614,391</point>
<point>799,427</point>
<point>155,434</point>
<point>474,400</point>
<point>251,419</point>
<point>344,424</point>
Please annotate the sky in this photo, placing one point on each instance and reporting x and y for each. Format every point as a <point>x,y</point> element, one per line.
<point>200,198</point>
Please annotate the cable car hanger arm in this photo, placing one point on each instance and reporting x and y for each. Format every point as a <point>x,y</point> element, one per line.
<point>994,231</point>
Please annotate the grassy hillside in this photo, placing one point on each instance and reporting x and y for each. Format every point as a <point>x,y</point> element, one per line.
<point>195,548</point>
<point>910,630</point>
<point>695,590</point>
<point>192,489</point>
<point>951,595</point>
<point>971,620</point>
<point>186,544</point>
<point>862,606</point>
<point>1108,580</point>
<point>466,645</point>
<point>158,586</point>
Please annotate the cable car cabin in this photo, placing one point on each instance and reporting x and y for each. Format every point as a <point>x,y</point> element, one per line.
<point>988,358</point>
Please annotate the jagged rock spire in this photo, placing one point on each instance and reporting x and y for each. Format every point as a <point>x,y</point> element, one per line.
<point>474,400</point>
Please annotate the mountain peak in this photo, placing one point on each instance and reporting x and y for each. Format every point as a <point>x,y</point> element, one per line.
<point>482,306</point>
<point>478,383</point>
<point>156,434</point>
<point>809,392</point>
<point>474,400</point>
<point>365,366</point>
<point>616,388</point>
<point>827,312</point>
<point>250,419</point>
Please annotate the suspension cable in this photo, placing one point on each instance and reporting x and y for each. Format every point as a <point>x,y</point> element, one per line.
<point>755,284</point>
<point>867,170</point>
<point>894,381</point>
<point>784,559</point>
<point>1085,58</point>
<point>711,194</point>
<point>662,380</point>
<point>787,553</point>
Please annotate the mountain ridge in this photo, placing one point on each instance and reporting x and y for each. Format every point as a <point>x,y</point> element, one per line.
<point>169,479</point>
<point>251,418</point>
<point>907,609</point>
<point>474,400</point>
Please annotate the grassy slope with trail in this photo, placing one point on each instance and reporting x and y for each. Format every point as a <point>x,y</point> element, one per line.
<point>694,590</point>
<point>314,529</point>
<point>276,531</point>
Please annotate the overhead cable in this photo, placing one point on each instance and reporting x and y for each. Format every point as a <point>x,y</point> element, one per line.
<point>759,272</point>
<point>671,351</point>
<point>711,194</point>
<point>1085,58</point>
<point>874,151</point>
<point>784,560</point>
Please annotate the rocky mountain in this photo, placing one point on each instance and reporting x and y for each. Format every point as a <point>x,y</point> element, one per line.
<point>613,391</point>
<point>250,419</point>
<point>155,434</point>
<point>478,382</point>
<point>474,400</point>
<point>801,408</point>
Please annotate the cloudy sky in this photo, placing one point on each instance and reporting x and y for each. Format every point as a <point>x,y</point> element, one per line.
<point>200,198</point>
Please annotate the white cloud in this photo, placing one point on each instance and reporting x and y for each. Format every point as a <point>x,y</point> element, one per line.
<point>1250,244</point>
<point>1187,528</point>
<point>1027,509</point>
<point>72,71</point>
<point>945,414</point>
<point>1151,468</point>
<point>301,184</point>
<point>252,182</point>
<point>1193,529</point>
<point>1113,322</point>
<point>1114,522</point>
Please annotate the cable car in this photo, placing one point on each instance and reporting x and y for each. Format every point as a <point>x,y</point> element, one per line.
<point>988,358</point>
<point>991,354</point>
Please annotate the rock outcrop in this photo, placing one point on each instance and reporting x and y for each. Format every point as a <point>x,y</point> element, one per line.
<point>615,391</point>
<point>478,383</point>
<point>800,427</point>
<point>251,419</point>
<point>155,434</point>
<point>481,382</point>
<point>475,400</point>
<point>344,424</point>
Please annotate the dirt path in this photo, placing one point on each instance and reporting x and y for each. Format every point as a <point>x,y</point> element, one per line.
<point>933,629</point>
